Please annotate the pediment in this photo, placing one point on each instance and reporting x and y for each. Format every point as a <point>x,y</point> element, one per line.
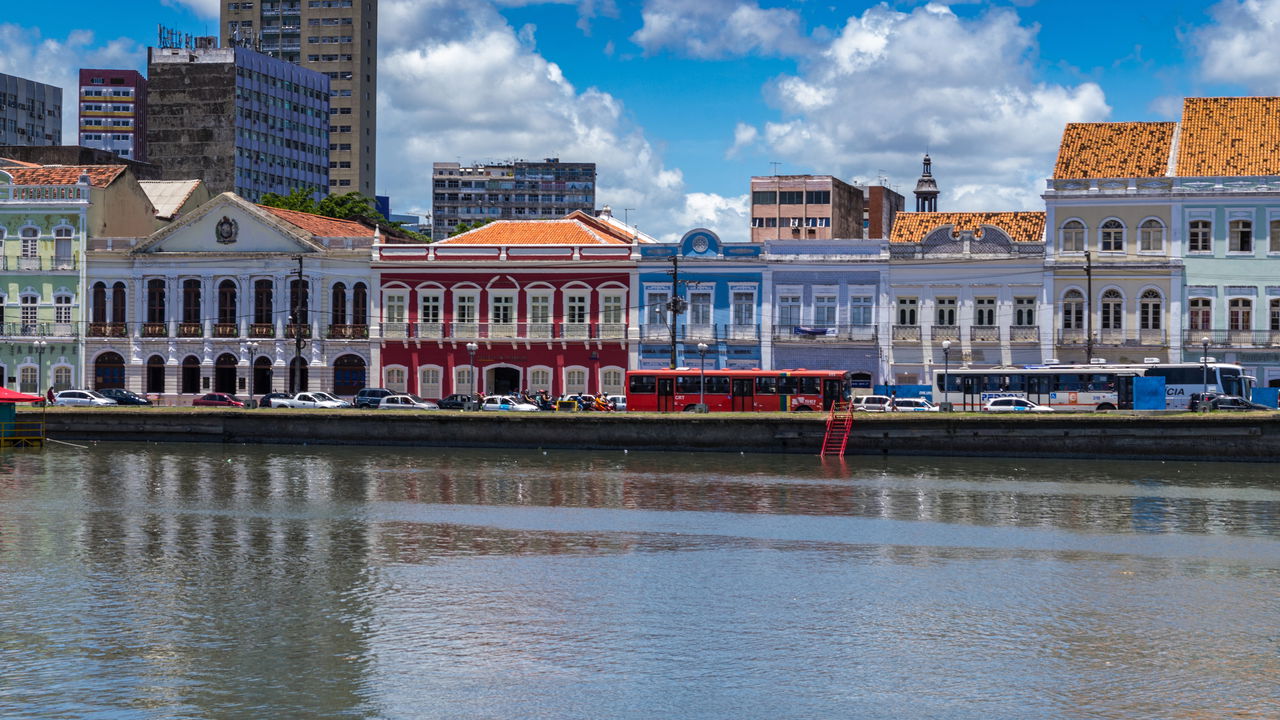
<point>228,224</point>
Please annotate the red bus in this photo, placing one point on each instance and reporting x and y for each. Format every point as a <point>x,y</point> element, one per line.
<point>735,390</point>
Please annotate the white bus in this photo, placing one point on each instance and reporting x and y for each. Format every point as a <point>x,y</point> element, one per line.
<point>1087,387</point>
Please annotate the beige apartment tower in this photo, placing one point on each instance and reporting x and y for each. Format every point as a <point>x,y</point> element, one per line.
<point>340,39</point>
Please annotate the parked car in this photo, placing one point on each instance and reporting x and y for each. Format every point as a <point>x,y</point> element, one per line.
<point>913,405</point>
<point>1214,401</point>
<point>872,403</point>
<point>124,397</point>
<point>369,397</point>
<point>274,399</point>
<point>1013,404</point>
<point>619,402</point>
<point>218,400</point>
<point>88,398</point>
<point>454,402</point>
<point>506,402</point>
<point>313,400</point>
<point>405,402</point>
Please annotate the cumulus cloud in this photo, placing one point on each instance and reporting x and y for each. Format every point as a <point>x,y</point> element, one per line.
<point>892,85</point>
<point>1239,45</point>
<point>202,8</point>
<point>457,83</point>
<point>588,10</point>
<point>719,29</point>
<point>57,61</point>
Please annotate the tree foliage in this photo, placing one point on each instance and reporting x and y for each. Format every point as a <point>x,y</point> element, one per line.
<point>465,227</point>
<point>348,206</point>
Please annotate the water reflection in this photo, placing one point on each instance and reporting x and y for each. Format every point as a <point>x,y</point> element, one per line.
<point>169,581</point>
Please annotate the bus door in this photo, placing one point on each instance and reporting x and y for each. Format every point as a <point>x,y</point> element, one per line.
<point>970,395</point>
<point>832,392</point>
<point>742,391</point>
<point>1124,392</point>
<point>666,393</point>
<point>1038,389</point>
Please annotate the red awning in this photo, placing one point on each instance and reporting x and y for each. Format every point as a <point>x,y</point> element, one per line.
<point>13,396</point>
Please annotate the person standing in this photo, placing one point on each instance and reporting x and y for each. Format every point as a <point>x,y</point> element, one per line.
<point>49,395</point>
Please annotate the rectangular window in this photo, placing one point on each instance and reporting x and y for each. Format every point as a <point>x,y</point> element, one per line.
<point>818,197</point>
<point>1200,236</point>
<point>1241,236</point>
<point>62,309</point>
<point>611,309</point>
<point>28,313</point>
<point>501,309</point>
<point>1024,311</point>
<point>860,310</point>
<point>1202,313</point>
<point>791,197</point>
<point>1275,315</point>
<point>764,197</point>
<point>744,304</point>
<point>656,308</point>
<point>1073,314</point>
<point>1274,236</point>
<point>465,309</point>
<point>907,311</point>
<point>395,310</point>
<point>540,309</point>
<point>576,309</point>
<point>29,247</point>
<point>1240,314</point>
<point>1112,314</point>
<point>824,310</point>
<point>789,310</point>
<point>984,311</point>
<point>430,310</point>
<point>946,311</point>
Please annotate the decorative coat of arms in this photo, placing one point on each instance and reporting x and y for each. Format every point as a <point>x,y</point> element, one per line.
<point>226,230</point>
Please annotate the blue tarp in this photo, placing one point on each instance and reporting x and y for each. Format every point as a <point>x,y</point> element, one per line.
<point>1266,396</point>
<point>905,391</point>
<point>799,330</point>
<point>1149,393</point>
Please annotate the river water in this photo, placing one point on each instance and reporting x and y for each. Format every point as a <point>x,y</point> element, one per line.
<point>170,581</point>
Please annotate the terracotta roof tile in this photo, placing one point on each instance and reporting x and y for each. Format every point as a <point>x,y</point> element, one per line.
<point>1229,136</point>
<point>1114,150</point>
<point>912,227</point>
<point>576,229</point>
<point>100,176</point>
<point>319,225</point>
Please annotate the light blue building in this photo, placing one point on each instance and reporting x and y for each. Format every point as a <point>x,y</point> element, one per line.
<point>723,287</point>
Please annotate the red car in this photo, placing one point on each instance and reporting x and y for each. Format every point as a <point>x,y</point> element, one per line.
<point>217,400</point>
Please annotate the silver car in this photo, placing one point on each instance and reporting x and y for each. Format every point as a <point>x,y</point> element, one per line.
<point>405,402</point>
<point>87,398</point>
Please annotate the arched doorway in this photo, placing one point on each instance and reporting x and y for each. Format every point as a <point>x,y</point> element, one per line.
<point>262,376</point>
<point>297,375</point>
<point>348,375</point>
<point>502,380</point>
<point>155,374</point>
<point>224,373</point>
<point>190,375</point>
<point>108,371</point>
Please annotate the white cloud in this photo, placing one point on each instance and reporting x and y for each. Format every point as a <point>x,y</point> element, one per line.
<point>744,136</point>
<point>202,8</point>
<point>892,85</point>
<point>57,61</point>
<point>719,28</point>
<point>1239,46</point>
<point>457,83</point>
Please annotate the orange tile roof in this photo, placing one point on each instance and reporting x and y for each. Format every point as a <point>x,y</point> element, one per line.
<point>576,229</point>
<point>1229,136</point>
<point>100,176</point>
<point>10,162</point>
<point>319,225</point>
<point>1114,150</point>
<point>912,227</point>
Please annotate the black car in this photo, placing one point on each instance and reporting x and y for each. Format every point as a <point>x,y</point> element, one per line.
<point>454,402</point>
<point>269,399</point>
<point>124,397</point>
<point>1215,401</point>
<point>370,397</point>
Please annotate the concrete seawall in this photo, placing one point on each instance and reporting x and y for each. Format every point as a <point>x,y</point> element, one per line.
<point>1249,437</point>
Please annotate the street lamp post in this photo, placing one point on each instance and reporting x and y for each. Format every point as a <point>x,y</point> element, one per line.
<point>253,368</point>
<point>946,364</point>
<point>40,346</point>
<point>702,377</point>
<point>471,351</point>
<point>1204,360</point>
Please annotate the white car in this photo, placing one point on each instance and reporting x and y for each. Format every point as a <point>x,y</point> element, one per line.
<point>872,403</point>
<point>313,400</point>
<point>913,405</point>
<point>619,402</point>
<point>1014,404</point>
<point>82,397</point>
<point>506,402</point>
<point>405,402</point>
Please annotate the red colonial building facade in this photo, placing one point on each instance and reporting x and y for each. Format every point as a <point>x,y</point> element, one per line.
<point>514,305</point>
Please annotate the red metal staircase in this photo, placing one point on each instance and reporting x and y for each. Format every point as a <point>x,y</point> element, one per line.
<point>839,424</point>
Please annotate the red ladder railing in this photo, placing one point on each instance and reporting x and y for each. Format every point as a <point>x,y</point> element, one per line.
<point>839,424</point>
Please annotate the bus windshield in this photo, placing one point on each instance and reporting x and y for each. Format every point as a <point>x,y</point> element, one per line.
<point>1232,383</point>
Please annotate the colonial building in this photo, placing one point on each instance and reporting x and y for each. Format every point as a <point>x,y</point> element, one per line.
<point>965,289</point>
<point>722,292</point>
<point>514,305</point>
<point>42,228</point>
<point>218,300</point>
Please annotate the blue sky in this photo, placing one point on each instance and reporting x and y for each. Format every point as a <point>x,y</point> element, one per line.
<point>681,101</point>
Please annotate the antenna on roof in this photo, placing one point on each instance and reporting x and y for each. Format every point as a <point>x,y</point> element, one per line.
<point>626,215</point>
<point>775,165</point>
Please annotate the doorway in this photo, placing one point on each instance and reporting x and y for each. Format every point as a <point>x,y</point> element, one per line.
<point>224,374</point>
<point>666,393</point>
<point>502,380</point>
<point>262,376</point>
<point>743,391</point>
<point>108,371</point>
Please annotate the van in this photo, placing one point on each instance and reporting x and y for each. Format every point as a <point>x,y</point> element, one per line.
<point>872,403</point>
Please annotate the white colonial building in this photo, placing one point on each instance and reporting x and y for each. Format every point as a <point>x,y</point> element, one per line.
<point>208,303</point>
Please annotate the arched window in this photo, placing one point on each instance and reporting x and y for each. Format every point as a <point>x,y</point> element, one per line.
<point>108,371</point>
<point>155,301</point>
<point>1201,313</point>
<point>395,379</point>
<point>430,382</point>
<point>226,309</point>
<point>190,375</point>
<point>540,379</point>
<point>29,380</point>
<point>1240,314</point>
<point>464,380</point>
<point>611,381</point>
<point>1073,236</point>
<point>155,375</point>
<point>63,259</point>
<point>348,375</point>
<point>1200,236</point>
<point>338,305</point>
<point>61,378</point>
<point>1240,236</point>
<point>119,307</point>
<point>1111,236</point>
<point>30,250</point>
<point>99,302</point>
<point>575,380</point>
<point>263,299</point>
<point>191,302</point>
<point>1150,310</point>
<point>62,231</point>
<point>1073,310</point>
<point>29,307</point>
<point>360,304</point>
<point>1112,310</point>
<point>62,312</point>
<point>1151,236</point>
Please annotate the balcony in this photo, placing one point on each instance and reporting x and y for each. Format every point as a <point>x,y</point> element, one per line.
<point>1116,337</point>
<point>103,329</point>
<point>611,331</point>
<point>155,329</point>
<point>513,332</point>
<point>262,330</point>
<point>1024,334</point>
<point>984,333</point>
<point>575,331</point>
<point>945,332</point>
<point>432,331</point>
<point>1193,339</point>
<point>292,331</point>
<point>226,330</point>
<point>906,333</point>
<point>190,330</point>
<point>37,264</point>
<point>742,333</point>
<point>395,330</point>
<point>699,332</point>
<point>348,332</point>
<point>836,334</point>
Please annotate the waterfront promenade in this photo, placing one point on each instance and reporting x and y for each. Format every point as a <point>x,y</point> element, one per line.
<point>1220,436</point>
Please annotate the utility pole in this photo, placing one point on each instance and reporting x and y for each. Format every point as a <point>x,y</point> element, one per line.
<point>676,304</point>
<point>295,367</point>
<point>1088,308</point>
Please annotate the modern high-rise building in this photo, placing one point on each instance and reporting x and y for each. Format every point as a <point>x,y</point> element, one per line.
<point>516,190</point>
<point>239,120</point>
<point>338,38</point>
<point>113,112</point>
<point>30,112</point>
<point>804,207</point>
